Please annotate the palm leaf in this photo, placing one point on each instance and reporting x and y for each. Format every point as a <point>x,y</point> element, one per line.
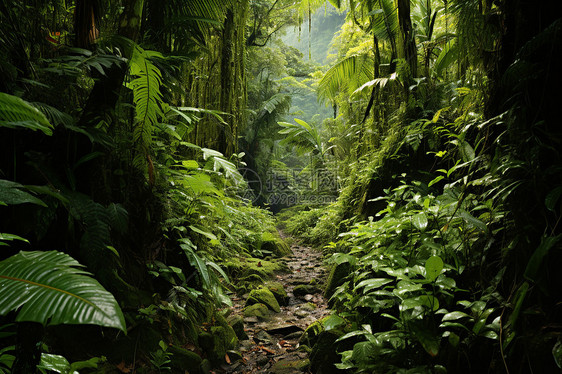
<point>18,113</point>
<point>447,56</point>
<point>51,288</point>
<point>349,73</point>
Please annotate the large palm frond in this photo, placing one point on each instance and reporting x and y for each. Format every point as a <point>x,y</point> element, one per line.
<point>51,288</point>
<point>348,74</point>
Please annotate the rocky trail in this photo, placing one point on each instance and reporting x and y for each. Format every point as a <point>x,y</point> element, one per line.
<point>275,331</point>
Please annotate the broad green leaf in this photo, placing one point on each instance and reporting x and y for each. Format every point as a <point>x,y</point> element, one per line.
<point>433,267</point>
<point>210,153</point>
<point>51,288</point>
<point>557,353</point>
<point>405,286</point>
<point>428,338</point>
<point>456,315</point>
<point>333,321</point>
<point>190,164</point>
<point>552,198</point>
<point>471,220</point>
<point>420,221</point>
<point>11,193</point>
<point>370,284</point>
<point>207,234</point>
<point>365,352</point>
<point>16,113</point>
<point>535,262</point>
<point>428,301</point>
<point>55,363</point>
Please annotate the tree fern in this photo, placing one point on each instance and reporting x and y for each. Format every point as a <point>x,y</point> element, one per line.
<point>147,99</point>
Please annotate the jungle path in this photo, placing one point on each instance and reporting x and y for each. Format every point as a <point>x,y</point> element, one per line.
<point>273,345</point>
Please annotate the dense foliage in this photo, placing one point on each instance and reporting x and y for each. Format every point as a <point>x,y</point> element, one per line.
<point>137,139</point>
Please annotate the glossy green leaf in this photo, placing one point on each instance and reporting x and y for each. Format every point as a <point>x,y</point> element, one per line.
<point>435,180</point>
<point>420,221</point>
<point>51,288</point>
<point>536,260</point>
<point>372,283</point>
<point>433,267</point>
<point>552,198</point>
<point>12,193</point>
<point>332,322</point>
<point>454,316</point>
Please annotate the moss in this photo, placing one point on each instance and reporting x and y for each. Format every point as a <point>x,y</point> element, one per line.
<point>230,338</point>
<point>184,360</point>
<point>220,346</point>
<point>277,246</point>
<point>257,310</point>
<point>237,323</point>
<point>278,291</point>
<point>263,296</point>
<point>309,307</point>
<point>336,278</point>
<point>305,289</point>
<point>241,267</point>
<point>288,366</point>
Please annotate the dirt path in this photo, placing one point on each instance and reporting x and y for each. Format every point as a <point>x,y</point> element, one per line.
<point>273,344</point>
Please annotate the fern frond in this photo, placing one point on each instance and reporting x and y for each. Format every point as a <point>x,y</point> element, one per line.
<point>147,99</point>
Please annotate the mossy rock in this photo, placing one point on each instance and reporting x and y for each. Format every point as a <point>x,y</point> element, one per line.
<point>205,367</point>
<point>337,276</point>
<point>323,355</point>
<point>237,323</point>
<point>277,246</point>
<point>183,359</point>
<point>230,337</point>
<point>305,289</point>
<point>242,267</point>
<point>264,296</point>
<point>279,292</point>
<point>309,307</point>
<point>260,311</point>
<point>289,366</point>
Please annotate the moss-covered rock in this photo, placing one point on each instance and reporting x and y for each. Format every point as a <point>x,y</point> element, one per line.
<point>220,346</point>
<point>277,246</point>
<point>289,366</point>
<point>309,307</point>
<point>205,367</point>
<point>279,292</point>
<point>241,267</point>
<point>257,310</point>
<point>337,276</point>
<point>264,296</point>
<point>237,323</point>
<point>183,359</point>
<point>230,337</point>
<point>305,289</point>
